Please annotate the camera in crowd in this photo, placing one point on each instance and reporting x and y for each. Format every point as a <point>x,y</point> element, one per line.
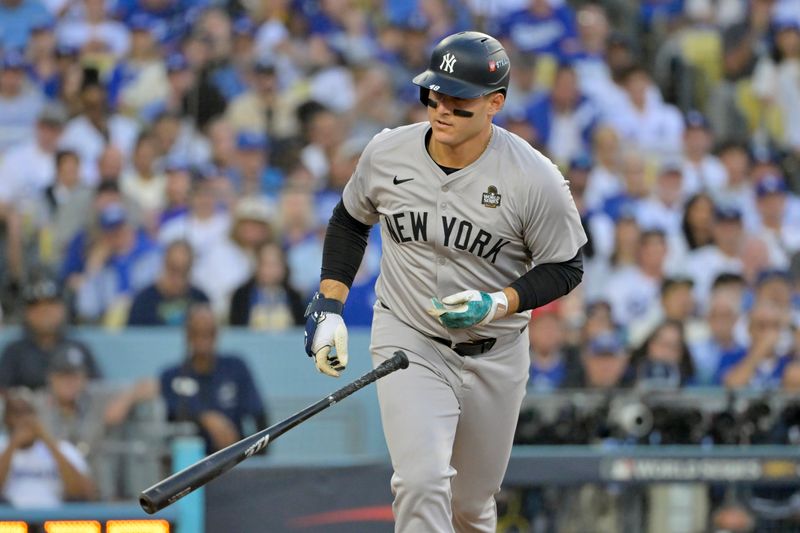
<point>704,417</point>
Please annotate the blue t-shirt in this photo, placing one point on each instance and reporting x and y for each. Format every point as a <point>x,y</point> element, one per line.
<point>151,308</point>
<point>765,377</point>
<point>546,379</point>
<point>229,389</point>
<point>555,34</point>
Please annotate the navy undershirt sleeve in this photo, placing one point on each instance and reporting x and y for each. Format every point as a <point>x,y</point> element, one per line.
<point>547,282</point>
<point>345,242</point>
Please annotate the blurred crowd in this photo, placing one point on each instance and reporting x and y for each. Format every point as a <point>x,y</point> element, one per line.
<point>162,160</point>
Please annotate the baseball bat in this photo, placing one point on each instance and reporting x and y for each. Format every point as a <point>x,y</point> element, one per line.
<point>178,485</point>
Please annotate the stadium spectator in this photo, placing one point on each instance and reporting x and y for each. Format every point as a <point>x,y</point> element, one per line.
<point>663,359</point>
<point>605,177</point>
<point>631,289</point>
<point>722,315</point>
<point>212,390</point>
<point>85,414</point>
<point>737,192</point>
<point>231,261</point>
<point>778,223</point>
<point>676,303</point>
<point>260,107</point>
<point>95,32</point>
<point>761,364</point>
<point>702,171</point>
<point>17,17</point>
<point>96,127</point>
<point>563,118</point>
<point>138,79</point>
<point>551,360</point>
<point>203,225</point>
<point>645,121</point>
<point>36,469</point>
<point>28,167</point>
<point>166,302</point>
<point>775,83</point>
<point>541,27</point>
<point>21,101</point>
<point>695,231</point>
<point>604,362</point>
<point>663,209</point>
<point>253,173</point>
<point>301,237</point>
<point>24,361</point>
<point>177,190</point>
<point>68,202</point>
<point>121,261</point>
<point>142,183</point>
<point>724,255</point>
<point>267,301</point>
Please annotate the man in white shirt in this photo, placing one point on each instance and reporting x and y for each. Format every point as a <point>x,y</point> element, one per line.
<point>664,208</point>
<point>20,100</point>
<point>645,120</point>
<point>90,133</point>
<point>702,171</point>
<point>29,167</point>
<point>95,29</point>
<point>632,290</point>
<point>706,263</point>
<point>778,219</point>
<point>36,470</point>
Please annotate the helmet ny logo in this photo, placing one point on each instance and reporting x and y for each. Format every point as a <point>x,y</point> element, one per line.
<point>447,63</point>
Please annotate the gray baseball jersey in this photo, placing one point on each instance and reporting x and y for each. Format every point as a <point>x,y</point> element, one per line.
<point>480,228</point>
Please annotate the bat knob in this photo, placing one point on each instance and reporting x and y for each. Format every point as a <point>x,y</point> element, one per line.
<point>402,359</point>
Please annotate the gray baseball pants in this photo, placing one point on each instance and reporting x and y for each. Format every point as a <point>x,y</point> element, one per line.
<point>449,424</point>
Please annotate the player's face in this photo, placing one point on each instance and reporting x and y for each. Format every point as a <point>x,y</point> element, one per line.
<point>449,124</point>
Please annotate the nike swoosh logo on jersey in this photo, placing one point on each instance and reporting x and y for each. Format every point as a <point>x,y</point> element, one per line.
<point>400,182</point>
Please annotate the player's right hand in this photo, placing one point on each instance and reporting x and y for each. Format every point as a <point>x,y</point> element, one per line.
<point>326,335</point>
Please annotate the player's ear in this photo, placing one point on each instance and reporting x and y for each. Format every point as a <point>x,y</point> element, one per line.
<point>496,101</point>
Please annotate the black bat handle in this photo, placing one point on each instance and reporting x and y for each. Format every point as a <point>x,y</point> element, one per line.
<point>398,361</point>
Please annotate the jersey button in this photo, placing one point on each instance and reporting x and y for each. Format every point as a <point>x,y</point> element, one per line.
<point>442,260</point>
<point>445,188</point>
<point>443,205</point>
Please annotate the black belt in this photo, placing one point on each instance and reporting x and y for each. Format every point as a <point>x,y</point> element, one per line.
<point>464,349</point>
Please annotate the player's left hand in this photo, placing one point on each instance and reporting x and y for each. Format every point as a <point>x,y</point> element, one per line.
<point>469,308</point>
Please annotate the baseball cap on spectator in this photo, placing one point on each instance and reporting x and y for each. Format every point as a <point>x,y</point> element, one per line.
<point>766,156</point>
<point>770,274</point>
<point>255,209</point>
<point>581,162</point>
<point>617,38</point>
<point>67,50</point>
<point>140,22</point>
<point>47,24</point>
<point>12,59</point>
<point>676,281</point>
<point>607,343</point>
<point>786,23</point>
<point>263,65</point>
<point>727,214</point>
<point>771,184</point>
<point>52,115</point>
<point>243,26</point>
<point>696,119</point>
<point>42,290</point>
<point>176,63</point>
<point>112,216</point>
<point>625,211</point>
<point>670,166</point>
<point>176,164</point>
<point>68,359</point>
<point>251,140</point>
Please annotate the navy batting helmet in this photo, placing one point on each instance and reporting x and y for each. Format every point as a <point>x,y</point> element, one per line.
<point>468,64</point>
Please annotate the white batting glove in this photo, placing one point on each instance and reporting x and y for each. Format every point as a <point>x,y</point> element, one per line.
<point>326,335</point>
<point>469,308</point>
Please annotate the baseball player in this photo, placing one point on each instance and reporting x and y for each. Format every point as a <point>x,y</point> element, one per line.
<point>478,228</point>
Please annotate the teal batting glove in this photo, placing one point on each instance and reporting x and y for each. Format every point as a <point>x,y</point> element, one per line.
<point>470,308</point>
